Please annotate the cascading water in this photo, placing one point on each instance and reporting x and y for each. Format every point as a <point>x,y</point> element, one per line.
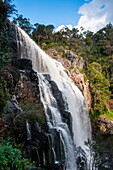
<point>28,127</point>
<point>72,96</point>
<point>56,122</point>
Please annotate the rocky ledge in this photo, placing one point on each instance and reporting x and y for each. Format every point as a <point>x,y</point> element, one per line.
<point>106,125</point>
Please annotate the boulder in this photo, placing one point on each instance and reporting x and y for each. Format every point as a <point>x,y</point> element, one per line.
<point>22,64</point>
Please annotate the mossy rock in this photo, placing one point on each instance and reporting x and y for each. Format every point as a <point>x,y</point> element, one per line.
<point>31,112</point>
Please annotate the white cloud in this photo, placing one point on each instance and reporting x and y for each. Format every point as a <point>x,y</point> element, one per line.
<point>63,27</point>
<point>59,28</point>
<point>95,14</point>
<point>70,27</point>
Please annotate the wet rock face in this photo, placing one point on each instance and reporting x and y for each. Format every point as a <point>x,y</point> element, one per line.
<point>28,99</point>
<point>25,114</point>
<point>81,159</point>
<point>11,75</point>
<point>22,64</point>
<point>40,149</point>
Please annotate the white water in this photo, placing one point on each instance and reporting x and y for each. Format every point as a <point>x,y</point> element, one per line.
<point>42,63</point>
<point>28,127</point>
<point>49,102</point>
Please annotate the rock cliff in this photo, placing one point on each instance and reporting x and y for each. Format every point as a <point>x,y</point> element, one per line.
<point>24,116</point>
<point>73,64</point>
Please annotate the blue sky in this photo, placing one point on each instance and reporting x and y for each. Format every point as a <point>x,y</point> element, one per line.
<point>56,12</point>
<point>91,14</point>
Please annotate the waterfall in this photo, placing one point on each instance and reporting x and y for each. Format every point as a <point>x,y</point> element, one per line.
<point>74,100</point>
<point>56,122</point>
<point>28,127</point>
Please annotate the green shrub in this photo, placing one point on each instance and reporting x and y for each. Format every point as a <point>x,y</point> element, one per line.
<point>53,44</point>
<point>46,41</point>
<point>11,158</point>
<point>109,114</point>
<point>99,86</point>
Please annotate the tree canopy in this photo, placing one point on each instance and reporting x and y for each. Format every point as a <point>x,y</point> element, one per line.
<point>42,32</point>
<point>6,9</point>
<point>23,23</point>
